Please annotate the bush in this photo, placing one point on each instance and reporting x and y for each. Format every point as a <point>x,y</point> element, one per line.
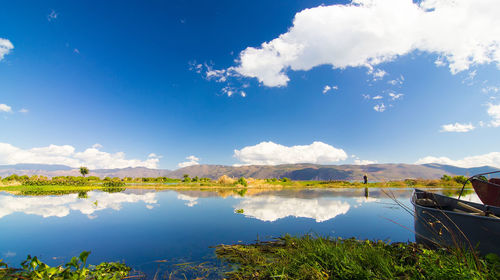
<point>460,179</point>
<point>242,181</point>
<point>113,184</point>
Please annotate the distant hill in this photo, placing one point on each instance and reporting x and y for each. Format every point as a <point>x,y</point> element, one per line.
<point>375,172</point>
<point>462,171</point>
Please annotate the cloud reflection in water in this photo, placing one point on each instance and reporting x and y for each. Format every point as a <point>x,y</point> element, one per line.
<point>61,206</point>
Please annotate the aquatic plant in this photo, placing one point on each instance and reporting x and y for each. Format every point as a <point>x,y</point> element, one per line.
<point>75,269</point>
<point>310,257</point>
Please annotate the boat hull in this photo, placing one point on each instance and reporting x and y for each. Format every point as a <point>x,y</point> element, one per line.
<point>440,226</point>
<point>487,191</point>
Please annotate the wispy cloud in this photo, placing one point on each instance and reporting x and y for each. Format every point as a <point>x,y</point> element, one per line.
<point>379,107</point>
<point>52,15</point>
<point>457,127</point>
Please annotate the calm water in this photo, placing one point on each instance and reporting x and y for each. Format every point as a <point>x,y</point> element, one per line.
<point>142,226</point>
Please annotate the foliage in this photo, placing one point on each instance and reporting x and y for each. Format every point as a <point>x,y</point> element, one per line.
<point>242,181</point>
<point>186,178</point>
<point>285,179</point>
<point>84,171</point>
<point>446,178</point>
<point>460,179</point>
<point>113,184</point>
<point>310,257</point>
<point>76,269</point>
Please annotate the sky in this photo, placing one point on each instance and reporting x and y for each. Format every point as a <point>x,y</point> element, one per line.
<point>169,84</point>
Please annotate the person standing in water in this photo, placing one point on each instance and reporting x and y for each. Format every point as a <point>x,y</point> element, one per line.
<point>365,179</point>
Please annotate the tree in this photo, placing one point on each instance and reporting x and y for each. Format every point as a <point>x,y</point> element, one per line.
<point>84,171</point>
<point>186,178</point>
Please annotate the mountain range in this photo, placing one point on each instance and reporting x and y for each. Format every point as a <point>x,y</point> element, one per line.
<point>375,172</point>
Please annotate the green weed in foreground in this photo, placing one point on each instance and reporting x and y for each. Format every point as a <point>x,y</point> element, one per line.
<point>327,258</point>
<point>76,269</point>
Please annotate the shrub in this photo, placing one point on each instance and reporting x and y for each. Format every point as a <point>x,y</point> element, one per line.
<point>242,181</point>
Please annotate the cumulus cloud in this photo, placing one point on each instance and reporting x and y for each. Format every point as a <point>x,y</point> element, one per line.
<point>5,47</point>
<point>377,97</point>
<point>272,208</point>
<point>191,160</point>
<point>490,159</point>
<point>494,112</point>
<point>92,157</point>
<point>61,206</point>
<point>366,33</point>
<point>5,108</point>
<point>269,153</point>
<point>395,96</point>
<point>457,127</point>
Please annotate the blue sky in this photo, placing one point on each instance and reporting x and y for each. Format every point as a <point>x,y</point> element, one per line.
<point>108,83</point>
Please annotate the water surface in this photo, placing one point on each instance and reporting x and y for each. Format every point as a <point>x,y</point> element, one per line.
<point>143,226</point>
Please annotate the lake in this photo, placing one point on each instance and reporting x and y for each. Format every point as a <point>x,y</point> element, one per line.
<point>143,226</point>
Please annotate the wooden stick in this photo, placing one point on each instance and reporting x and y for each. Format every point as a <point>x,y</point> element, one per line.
<point>475,210</point>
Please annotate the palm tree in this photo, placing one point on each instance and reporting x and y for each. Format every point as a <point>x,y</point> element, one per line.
<point>84,171</point>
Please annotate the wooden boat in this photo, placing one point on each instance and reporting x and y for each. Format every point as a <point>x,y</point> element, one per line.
<point>487,190</point>
<point>450,222</point>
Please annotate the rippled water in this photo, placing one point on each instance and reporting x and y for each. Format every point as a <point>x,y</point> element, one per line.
<point>142,226</point>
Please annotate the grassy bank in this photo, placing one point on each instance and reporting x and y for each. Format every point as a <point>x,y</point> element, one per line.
<point>326,258</point>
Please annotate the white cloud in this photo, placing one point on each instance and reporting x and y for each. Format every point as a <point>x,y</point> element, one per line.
<point>52,15</point>
<point>5,47</point>
<point>327,88</point>
<point>457,127</point>
<point>24,111</point>
<point>269,153</point>
<point>379,107</point>
<point>399,81</point>
<point>192,160</point>
<point>366,96</point>
<point>364,161</point>
<point>367,33</point>
<point>377,97</point>
<point>494,112</point>
<point>272,208</point>
<point>489,89</point>
<point>92,157</point>
<point>5,108</point>
<point>378,74</point>
<point>61,206</point>
<point>491,159</point>
<point>395,96</point>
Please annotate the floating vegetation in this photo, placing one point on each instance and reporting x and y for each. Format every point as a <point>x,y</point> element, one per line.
<point>311,257</point>
<point>33,268</point>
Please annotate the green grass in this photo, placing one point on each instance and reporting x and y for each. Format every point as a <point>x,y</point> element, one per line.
<point>327,258</point>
